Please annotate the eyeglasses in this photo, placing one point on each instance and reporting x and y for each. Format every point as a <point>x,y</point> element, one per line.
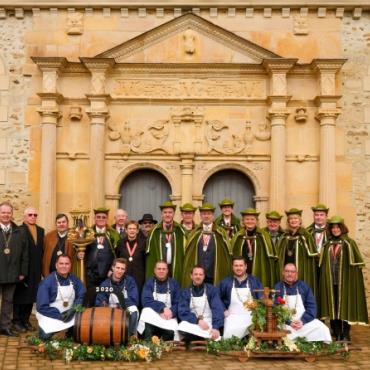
<point>32,214</point>
<point>101,217</point>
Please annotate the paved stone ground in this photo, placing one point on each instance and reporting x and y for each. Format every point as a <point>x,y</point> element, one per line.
<point>14,354</point>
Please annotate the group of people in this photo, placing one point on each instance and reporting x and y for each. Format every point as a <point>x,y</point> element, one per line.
<point>183,279</point>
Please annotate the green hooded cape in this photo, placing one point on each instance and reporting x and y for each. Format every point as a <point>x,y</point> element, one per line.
<point>222,256</point>
<point>326,235</point>
<point>351,290</point>
<point>234,222</point>
<point>154,250</point>
<point>305,257</point>
<point>265,266</point>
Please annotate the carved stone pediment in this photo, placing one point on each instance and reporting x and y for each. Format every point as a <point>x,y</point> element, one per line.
<point>188,39</point>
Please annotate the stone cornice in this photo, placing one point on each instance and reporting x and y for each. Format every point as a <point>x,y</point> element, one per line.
<point>280,65</point>
<point>98,64</point>
<point>50,63</point>
<point>348,4</point>
<point>327,65</point>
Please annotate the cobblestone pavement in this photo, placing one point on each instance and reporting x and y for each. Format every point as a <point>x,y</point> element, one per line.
<point>15,354</point>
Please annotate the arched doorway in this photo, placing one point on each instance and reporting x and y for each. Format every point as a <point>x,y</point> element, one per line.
<point>142,192</point>
<point>230,184</point>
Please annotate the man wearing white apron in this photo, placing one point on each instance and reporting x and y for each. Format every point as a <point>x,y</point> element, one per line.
<point>200,309</point>
<point>298,296</point>
<point>159,299</point>
<point>120,291</point>
<point>57,295</point>
<point>234,292</point>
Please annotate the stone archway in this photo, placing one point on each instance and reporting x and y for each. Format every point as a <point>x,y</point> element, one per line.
<point>230,184</point>
<point>142,191</point>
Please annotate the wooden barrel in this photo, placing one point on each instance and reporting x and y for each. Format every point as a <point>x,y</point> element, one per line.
<point>101,325</point>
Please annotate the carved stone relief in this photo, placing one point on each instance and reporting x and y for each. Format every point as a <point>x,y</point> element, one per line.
<point>263,133</point>
<point>74,23</point>
<point>301,115</point>
<point>98,82</point>
<point>149,139</point>
<point>49,81</point>
<point>188,88</point>
<point>328,84</point>
<point>75,113</point>
<point>189,42</point>
<point>222,139</point>
<point>300,26</point>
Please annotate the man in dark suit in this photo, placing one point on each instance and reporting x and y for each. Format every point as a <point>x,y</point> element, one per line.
<point>13,264</point>
<point>26,290</point>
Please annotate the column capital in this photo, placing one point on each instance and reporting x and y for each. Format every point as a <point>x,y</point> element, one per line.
<point>49,107</point>
<point>324,113</point>
<point>282,113</point>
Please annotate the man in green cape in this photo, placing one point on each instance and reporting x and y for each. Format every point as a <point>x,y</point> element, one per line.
<point>254,244</point>
<point>273,228</point>
<point>187,217</point>
<point>166,242</point>
<point>298,247</point>
<point>227,220</point>
<point>318,229</point>
<point>342,292</point>
<point>208,246</point>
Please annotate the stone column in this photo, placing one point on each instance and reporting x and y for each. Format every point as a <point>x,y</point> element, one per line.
<point>50,114</point>
<point>98,113</point>
<point>187,165</point>
<point>327,115</point>
<point>277,114</point>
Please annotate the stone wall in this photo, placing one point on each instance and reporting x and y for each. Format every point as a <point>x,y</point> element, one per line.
<point>14,135</point>
<point>354,124</point>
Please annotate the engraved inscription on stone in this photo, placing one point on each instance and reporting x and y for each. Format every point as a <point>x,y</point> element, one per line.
<point>189,88</point>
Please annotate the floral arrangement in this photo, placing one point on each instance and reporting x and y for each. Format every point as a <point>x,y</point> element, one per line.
<point>300,345</point>
<point>136,350</point>
<point>280,311</point>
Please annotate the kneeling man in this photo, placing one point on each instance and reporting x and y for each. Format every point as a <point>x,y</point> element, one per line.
<point>200,309</point>
<point>57,295</point>
<point>120,291</point>
<point>159,299</point>
<point>299,298</point>
<point>235,291</point>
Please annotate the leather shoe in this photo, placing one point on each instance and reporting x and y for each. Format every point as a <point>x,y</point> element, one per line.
<point>28,326</point>
<point>8,333</point>
<point>19,328</point>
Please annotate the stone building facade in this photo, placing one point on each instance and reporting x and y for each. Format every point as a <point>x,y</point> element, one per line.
<point>278,92</point>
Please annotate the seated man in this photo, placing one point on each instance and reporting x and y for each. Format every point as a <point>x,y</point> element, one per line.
<point>120,291</point>
<point>298,296</point>
<point>159,299</point>
<point>235,291</point>
<point>57,295</point>
<point>200,309</point>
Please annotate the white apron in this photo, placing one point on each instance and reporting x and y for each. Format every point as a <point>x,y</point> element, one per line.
<point>239,318</point>
<point>149,316</point>
<point>195,329</point>
<point>50,325</point>
<point>313,331</point>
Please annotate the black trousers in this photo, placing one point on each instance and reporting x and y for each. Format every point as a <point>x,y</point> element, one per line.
<point>7,293</point>
<point>22,313</point>
<point>151,330</point>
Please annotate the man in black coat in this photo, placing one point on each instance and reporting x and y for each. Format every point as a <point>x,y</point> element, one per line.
<point>13,264</point>
<point>26,290</point>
